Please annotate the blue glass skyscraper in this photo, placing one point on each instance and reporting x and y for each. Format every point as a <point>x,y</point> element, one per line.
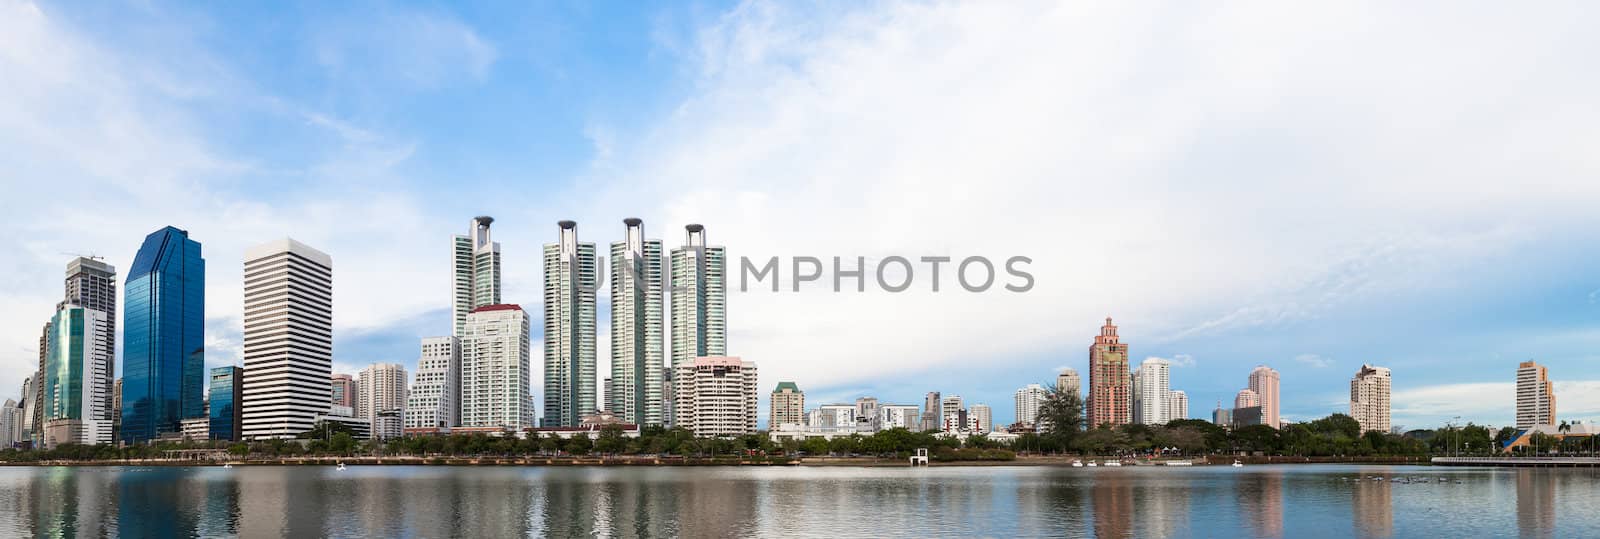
<point>227,385</point>
<point>163,337</point>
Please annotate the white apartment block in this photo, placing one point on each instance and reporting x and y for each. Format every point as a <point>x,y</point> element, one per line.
<point>716,396</point>
<point>1028,400</point>
<point>638,282</point>
<point>1369,398</point>
<point>288,338</point>
<point>495,372</point>
<point>383,393</point>
<point>1177,405</point>
<point>434,399</point>
<point>1151,387</point>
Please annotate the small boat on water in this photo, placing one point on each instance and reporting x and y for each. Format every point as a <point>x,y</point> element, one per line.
<point>1077,464</point>
<point>1091,464</point>
<point>1180,463</point>
<point>1114,463</point>
<point>1237,464</point>
<point>227,465</point>
<point>341,466</point>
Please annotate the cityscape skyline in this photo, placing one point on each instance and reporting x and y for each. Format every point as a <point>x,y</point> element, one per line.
<point>1306,256</point>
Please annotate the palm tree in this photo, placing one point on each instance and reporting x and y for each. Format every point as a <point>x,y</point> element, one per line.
<point>1564,428</point>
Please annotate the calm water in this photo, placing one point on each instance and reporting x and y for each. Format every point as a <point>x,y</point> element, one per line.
<point>396,501</point>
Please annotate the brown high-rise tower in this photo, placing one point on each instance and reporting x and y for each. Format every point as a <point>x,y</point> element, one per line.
<point>1110,391</point>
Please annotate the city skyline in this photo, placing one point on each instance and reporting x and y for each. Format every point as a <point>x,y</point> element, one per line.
<point>1230,215</point>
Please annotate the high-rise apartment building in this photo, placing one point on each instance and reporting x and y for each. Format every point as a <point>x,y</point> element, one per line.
<point>434,400</point>
<point>980,419</point>
<point>570,280</point>
<point>92,284</point>
<point>699,298</point>
<point>37,432</point>
<point>1536,397</point>
<point>477,271</point>
<point>1028,400</point>
<point>1069,381</point>
<point>1178,403</point>
<point>345,391</point>
<point>1264,381</point>
<point>163,338</point>
<point>288,339</point>
<point>383,399</point>
<point>637,357</point>
<point>1246,398</point>
<point>227,385</point>
<point>716,396</point>
<point>495,370</point>
<point>1369,398</point>
<point>788,406</point>
<point>26,427</point>
<point>1152,384</point>
<point>75,378</point>
<point>1110,393</point>
<point>930,411</point>
<point>10,424</point>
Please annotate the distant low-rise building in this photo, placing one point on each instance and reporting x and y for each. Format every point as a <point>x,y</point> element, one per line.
<point>899,416</point>
<point>832,415</point>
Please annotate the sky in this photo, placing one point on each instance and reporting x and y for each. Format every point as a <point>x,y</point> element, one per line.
<point>1308,187</point>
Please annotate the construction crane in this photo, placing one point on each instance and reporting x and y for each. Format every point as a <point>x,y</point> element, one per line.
<point>90,256</point>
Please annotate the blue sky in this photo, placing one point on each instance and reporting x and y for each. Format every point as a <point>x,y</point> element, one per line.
<point>1307,187</point>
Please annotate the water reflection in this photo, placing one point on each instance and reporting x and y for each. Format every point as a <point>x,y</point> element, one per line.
<point>743,502</point>
<point>1372,507</point>
<point>1536,502</point>
<point>1260,501</point>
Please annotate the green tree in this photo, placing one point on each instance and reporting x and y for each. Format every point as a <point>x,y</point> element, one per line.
<point>342,443</point>
<point>611,440</point>
<point>1061,416</point>
<point>580,444</point>
<point>1256,438</point>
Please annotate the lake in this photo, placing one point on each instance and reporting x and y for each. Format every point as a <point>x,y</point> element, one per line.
<point>833,502</point>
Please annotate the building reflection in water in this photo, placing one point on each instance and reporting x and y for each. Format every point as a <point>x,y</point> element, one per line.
<point>1112,497</point>
<point>1260,501</point>
<point>1536,502</point>
<point>1372,508</point>
<point>1163,507</point>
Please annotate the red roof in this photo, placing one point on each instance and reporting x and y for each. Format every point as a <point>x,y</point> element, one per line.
<point>501,307</point>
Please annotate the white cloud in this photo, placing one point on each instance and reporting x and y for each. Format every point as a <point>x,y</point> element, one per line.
<point>1177,360</point>
<point>1314,360</point>
<point>1492,402</point>
<point>110,157</point>
<point>1191,172</point>
<point>425,49</point>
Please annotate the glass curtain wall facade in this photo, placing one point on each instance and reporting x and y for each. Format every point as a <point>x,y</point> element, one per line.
<point>226,385</point>
<point>163,337</point>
